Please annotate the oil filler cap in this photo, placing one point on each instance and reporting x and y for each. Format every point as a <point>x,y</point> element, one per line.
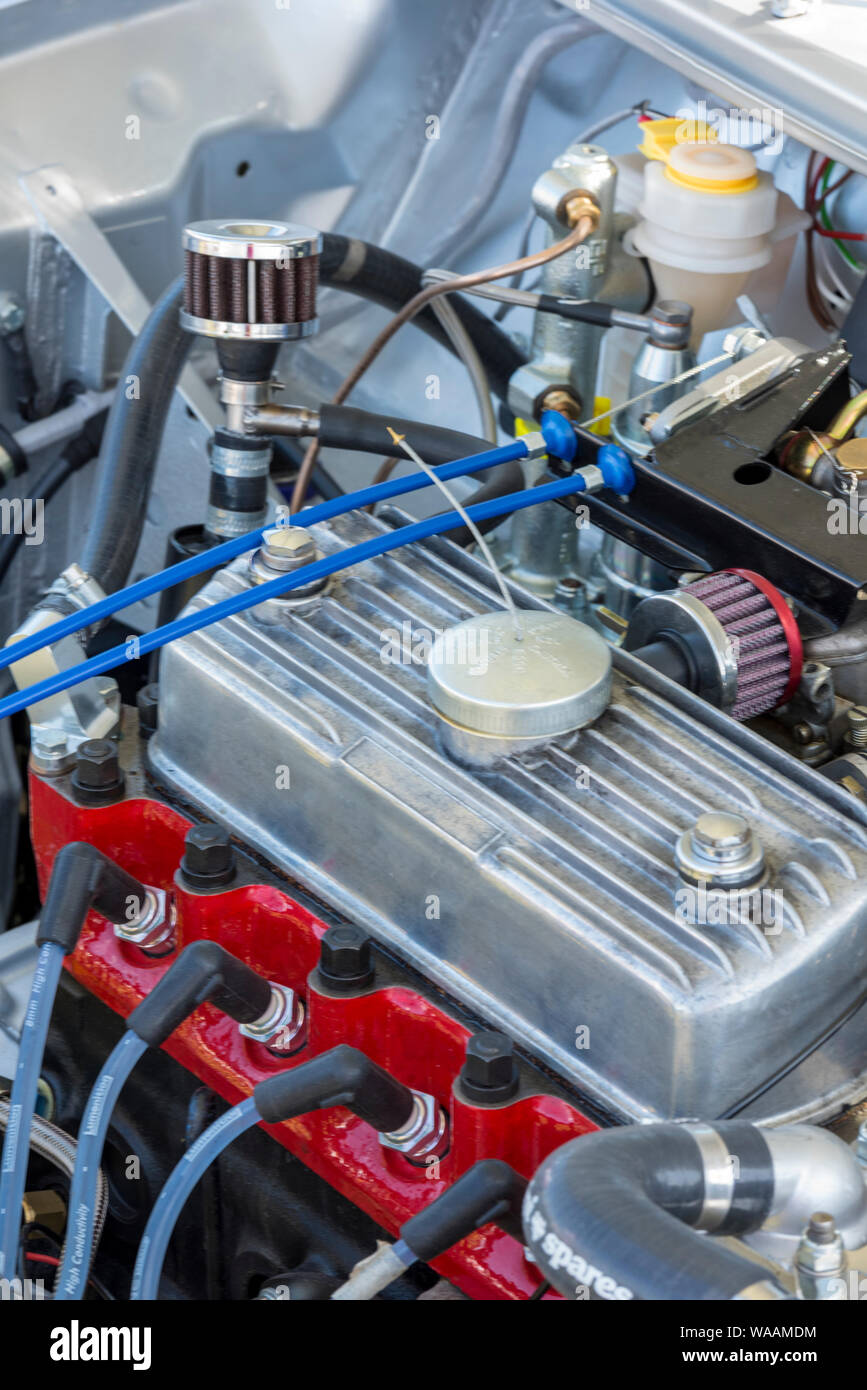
<point>484,680</point>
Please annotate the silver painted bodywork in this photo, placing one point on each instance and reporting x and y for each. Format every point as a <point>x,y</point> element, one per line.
<point>541,894</point>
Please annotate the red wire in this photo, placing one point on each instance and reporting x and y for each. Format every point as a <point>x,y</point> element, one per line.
<point>840,236</point>
<point>42,1259</point>
<point>814,183</point>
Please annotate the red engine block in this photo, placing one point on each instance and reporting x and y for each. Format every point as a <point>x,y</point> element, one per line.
<point>407,1034</point>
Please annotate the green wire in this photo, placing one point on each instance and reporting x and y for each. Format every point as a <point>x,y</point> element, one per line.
<point>826,221</point>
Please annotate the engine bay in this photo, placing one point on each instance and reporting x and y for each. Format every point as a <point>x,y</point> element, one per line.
<point>433,713</point>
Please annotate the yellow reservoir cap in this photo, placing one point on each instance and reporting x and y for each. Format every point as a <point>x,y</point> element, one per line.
<point>661,137</point>
<point>712,168</point>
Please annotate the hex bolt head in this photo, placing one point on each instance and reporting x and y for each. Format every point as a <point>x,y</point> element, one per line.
<point>489,1075</point>
<point>147,701</point>
<point>97,779</point>
<point>11,314</point>
<point>820,1260</point>
<point>51,741</point>
<point>209,859</point>
<point>287,548</point>
<point>345,962</point>
<point>721,836</point>
<point>50,752</point>
<point>674,311</point>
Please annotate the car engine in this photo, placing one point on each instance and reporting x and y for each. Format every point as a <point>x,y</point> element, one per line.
<point>433,713</point>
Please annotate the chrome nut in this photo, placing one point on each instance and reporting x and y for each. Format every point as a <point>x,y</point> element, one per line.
<point>425,1134</point>
<point>50,753</point>
<point>740,342</point>
<point>153,930</point>
<point>283,1027</point>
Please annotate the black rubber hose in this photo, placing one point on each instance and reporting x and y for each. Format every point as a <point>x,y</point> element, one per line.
<point>203,971</point>
<point>344,427</point>
<point>83,877</point>
<point>615,1213</point>
<point>384,278</point>
<point>342,1076</point>
<point>133,434</point>
<point>155,360</point>
<point>489,1191</point>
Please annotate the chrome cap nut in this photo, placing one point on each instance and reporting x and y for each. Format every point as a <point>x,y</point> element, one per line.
<point>720,851</point>
<point>425,1134</point>
<point>153,929</point>
<point>283,1027</point>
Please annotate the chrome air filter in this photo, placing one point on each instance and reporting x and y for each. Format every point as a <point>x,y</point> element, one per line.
<point>250,280</point>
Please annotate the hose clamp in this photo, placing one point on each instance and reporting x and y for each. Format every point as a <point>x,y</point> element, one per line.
<point>720,1172</point>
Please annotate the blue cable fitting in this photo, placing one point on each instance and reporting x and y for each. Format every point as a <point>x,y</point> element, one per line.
<point>559,435</point>
<point>616,468</point>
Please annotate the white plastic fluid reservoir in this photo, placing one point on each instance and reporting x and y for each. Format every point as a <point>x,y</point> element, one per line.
<point>707,218</point>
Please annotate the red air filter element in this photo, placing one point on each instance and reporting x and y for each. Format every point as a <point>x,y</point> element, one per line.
<point>763,634</point>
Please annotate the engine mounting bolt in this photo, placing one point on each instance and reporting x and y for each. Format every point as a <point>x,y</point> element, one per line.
<point>97,779</point>
<point>287,548</point>
<point>489,1075</point>
<point>857,731</point>
<point>345,961</point>
<point>209,860</point>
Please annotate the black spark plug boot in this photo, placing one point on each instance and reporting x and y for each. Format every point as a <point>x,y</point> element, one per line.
<point>203,971</point>
<point>83,877</point>
<point>342,1076</point>
<point>489,1191</point>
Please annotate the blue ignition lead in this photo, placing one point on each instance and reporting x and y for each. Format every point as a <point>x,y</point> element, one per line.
<point>72,1275</point>
<point>16,1142</point>
<point>81,877</point>
<point>203,971</point>
<point>611,462</point>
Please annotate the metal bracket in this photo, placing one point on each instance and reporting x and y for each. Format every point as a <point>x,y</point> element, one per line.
<point>61,210</point>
